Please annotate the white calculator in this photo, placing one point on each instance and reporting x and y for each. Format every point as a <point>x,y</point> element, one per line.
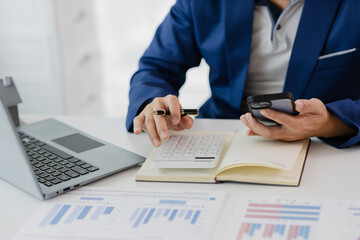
<point>191,151</point>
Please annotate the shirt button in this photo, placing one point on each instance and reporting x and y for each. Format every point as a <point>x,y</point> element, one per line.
<point>278,27</point>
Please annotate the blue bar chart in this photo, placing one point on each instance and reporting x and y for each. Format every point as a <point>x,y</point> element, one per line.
<point>67,214</point>
<point>143,216</point>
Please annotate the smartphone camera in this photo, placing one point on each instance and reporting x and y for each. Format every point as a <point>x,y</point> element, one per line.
<point>282,102</point>
<point>260,105</point>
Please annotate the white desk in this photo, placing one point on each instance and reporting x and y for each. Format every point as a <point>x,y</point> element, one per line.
<point>329,172</point>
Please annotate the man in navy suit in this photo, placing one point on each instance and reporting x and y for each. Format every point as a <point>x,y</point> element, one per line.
<point>308,47</point>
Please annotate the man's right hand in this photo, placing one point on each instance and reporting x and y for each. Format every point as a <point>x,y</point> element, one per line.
<point>157,126</point>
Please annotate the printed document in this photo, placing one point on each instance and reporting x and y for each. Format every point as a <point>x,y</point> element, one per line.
<point>103,213</point>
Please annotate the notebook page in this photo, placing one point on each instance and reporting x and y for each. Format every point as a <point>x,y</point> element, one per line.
<point>258,151</point>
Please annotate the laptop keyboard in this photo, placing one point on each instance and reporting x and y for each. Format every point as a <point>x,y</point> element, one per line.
<point>51,165</point>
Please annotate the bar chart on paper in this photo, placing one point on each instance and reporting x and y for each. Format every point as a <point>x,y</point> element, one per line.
<point>276,219</point>
<point>96,213</point>
<point>150,216</point>
<point>289,212</point>
<point>77,213</point>
<point>276,231</point>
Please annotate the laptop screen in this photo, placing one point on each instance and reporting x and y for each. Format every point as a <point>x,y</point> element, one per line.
<point>14,165</point>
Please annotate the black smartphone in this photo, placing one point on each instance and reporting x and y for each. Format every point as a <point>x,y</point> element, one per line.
<point>282,102</point>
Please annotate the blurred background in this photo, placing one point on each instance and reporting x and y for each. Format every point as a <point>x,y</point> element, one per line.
<point>77,56</point>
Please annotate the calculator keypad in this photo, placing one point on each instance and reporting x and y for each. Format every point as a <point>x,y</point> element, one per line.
<point>191,148</point>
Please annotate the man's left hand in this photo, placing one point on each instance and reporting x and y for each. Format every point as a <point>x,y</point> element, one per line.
<point>313,120</point>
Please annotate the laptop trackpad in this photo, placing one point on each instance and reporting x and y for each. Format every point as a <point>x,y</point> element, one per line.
<point>78,143</point>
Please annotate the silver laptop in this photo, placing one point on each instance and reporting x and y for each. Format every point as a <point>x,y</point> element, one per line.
<point>48,158</point>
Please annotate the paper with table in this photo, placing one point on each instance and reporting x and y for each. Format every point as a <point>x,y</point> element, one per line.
<point>104,213</point>
<point>245,159</point>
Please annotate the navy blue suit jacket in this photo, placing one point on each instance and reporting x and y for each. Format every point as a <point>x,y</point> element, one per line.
<point>220,32</point>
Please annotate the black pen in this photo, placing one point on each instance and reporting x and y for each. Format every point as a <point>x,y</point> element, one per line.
<point>162,112</point>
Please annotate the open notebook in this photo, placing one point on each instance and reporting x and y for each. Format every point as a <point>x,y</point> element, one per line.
<point>245,159</point>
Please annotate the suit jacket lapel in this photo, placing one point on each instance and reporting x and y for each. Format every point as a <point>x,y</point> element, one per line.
<point>238,32</point>
<point>314,26</point>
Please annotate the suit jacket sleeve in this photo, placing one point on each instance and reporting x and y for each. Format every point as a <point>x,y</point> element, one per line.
<point>348,111</point>
<point>163,66</point>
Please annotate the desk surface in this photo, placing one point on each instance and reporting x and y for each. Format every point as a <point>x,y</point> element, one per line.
<point>329,172</point>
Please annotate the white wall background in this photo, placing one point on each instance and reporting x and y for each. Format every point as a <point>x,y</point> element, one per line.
<point>40,43</point>
<point>27,47</point>
<point>125,29</point>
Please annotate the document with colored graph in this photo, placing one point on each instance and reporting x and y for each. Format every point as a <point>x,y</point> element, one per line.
<point>295,219</point>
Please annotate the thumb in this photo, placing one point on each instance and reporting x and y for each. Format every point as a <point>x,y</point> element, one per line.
<point>308,106</point>
<point>187,122</point>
